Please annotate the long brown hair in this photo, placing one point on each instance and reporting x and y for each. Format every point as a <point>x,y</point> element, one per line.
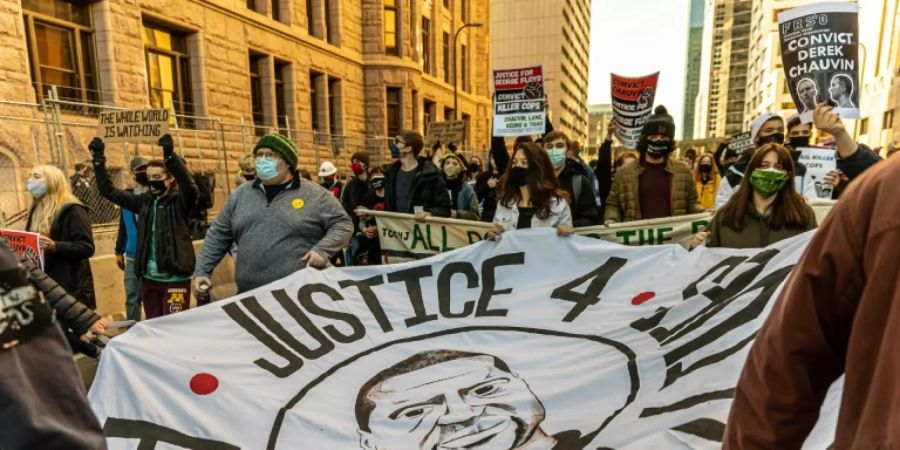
<point>788,207</point>
<point>712,174</point>
<point>543,185</point>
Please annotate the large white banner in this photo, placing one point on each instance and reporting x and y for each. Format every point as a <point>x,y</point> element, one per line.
<point>534,341</point>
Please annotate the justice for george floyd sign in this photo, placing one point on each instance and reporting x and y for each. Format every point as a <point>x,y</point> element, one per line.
<point>632,100</point>
<point>519,103</point>
<point>534,341</point>
<point>820,52</point>
<point>137,125</point>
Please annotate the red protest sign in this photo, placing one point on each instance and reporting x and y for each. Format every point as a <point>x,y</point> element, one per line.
<point>25,244</point>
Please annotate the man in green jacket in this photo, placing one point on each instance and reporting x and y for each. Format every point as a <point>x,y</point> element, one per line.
<point>657,186</point>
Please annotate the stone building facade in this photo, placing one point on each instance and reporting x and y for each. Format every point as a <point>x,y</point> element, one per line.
<point>336,76</point>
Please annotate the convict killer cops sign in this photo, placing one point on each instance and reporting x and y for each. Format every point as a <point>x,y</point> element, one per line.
<point>519,103</point>
<point>534,341</point>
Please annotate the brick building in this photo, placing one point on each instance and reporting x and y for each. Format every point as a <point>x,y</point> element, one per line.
<point>336,76</point>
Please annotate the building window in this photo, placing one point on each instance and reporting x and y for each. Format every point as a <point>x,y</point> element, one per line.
<point>276,10</point>
<point>394,113</point>
<point>391,28</point>
<point>168,69</point>
<point>332,22</point>
<point>251,5</point>
<point>446,3</point>
<point>430,113</point>
<point>464,7</point>
<point>334,106</point>
<point>426,45</point>
<point>863,126</point>
<point>888,121</point>
<point>415,110</point>
<point>256,95</point>
<point>61,49</point>
<point>282,69</point>
<point>464,67</point>
<point>468,120</point>
<point>446,57</point>
<point>310,18</point>
<point>314,109</point>
<point>448,114</point>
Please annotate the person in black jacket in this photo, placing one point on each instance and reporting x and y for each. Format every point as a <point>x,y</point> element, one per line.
<point>852,158</point>
<point>164,257</point>
<point>583,205</point>
<point>358,187</point>
<point>43,403</point>
<point>414,184</point>
<point>64,224</point>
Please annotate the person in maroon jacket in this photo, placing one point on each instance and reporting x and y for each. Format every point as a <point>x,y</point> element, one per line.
<point>838,314</point>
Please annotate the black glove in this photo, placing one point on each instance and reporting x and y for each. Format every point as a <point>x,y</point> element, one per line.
<point>167,145</point>
<point>97,148</point>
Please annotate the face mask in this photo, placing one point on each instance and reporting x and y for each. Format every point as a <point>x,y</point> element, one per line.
<point>658,149</point>
<point>799,141</point>
<point>328,181</point>
<point>378,183</point>
<point>705,168</point>
<point>474,167</point>
<point>141,178</point>
<point>357,168</point>
<point>157,187</point>
<point>451,171</point>
<point>557,157</point>
<point>777,138</point>
<point>37,189</point>
<point>266,168</point>
<point>768,182</point>
<point>395,150</point>
<point>518,176</point>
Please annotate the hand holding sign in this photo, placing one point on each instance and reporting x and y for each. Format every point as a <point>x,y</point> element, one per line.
<point>97,148</point>
<point>167,145</point>
<point>826,120</point>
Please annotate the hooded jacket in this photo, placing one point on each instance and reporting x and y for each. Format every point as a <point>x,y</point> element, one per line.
<point>623,203</point>
<point>174,247</point>
<point>583,206</point>
<point>428,190</point>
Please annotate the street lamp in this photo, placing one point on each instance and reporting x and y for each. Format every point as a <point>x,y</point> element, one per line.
<point>455,82</point>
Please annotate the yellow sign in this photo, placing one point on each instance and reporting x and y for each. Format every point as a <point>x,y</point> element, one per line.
<point>297,203</point>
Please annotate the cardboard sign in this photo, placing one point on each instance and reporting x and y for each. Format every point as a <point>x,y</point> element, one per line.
<point>446,132</point>
<point>818,162</point>
<point>632,100</point>
<point>741,142</point>
<point>820,51</point>
<point>25,244</point>
<point>137,125</point>
<point>519,103</point>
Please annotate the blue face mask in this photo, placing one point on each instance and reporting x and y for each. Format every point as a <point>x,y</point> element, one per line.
<point>557,157</point>
<point>395,151</point>
<point>37,189</point>
<point>266,168</point>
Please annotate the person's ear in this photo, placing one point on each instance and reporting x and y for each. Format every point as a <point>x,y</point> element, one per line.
<point>365,440</point>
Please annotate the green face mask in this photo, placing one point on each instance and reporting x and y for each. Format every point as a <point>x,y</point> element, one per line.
<point>768,182</point>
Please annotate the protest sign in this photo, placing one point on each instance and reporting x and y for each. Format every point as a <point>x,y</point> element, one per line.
<point>445,132</point>
<point>135,125</point>
<point>403,238</point>
<point>25,244</point>
<point>534,341</point>
<point>818,162</point>
<point>819,49</point>
<point>740,143</point>
<point>519,104</point>
<point>632,100</point>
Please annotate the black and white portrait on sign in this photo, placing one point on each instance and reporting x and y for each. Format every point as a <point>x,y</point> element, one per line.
<point>808,93</point>
<point>841,91</point>
<point>457,397</point>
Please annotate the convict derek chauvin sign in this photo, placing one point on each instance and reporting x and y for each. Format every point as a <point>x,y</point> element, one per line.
<point>532,342</point>
<point>135,125</point>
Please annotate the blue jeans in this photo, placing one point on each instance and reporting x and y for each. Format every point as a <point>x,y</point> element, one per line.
<point>132,291</point>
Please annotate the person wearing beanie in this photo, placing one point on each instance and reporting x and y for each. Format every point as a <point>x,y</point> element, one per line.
<point>657,186</point>
<point>358,188</point>
<point>164,252</point>
<point>414,184</point>
<point>281,222</point>
<point>464,202</point>
<point>572,179</point>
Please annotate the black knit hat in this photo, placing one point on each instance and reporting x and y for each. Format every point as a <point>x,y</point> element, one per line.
<point>660,122</point>
<point>362,157</point>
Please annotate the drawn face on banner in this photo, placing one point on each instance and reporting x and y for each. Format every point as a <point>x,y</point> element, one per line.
<point>841,91</point>
<point>808,93</point>
<point>447,400</point>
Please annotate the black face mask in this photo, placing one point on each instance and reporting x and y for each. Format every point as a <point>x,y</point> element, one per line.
<point>777,138</point>
<point>799,141</point>
<point>705,168</point>
<point>474,167</point>
<point>328,181</point>
<point>377,183</point>
<point>157,187</point>
<point>249,177</point>
<point>141,178</point>
<point>518,176</point>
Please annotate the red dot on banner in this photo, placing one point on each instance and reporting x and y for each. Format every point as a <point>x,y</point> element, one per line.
<point>204,384</point>
<point>642,297</point>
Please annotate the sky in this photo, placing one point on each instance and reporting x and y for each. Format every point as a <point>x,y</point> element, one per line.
<point>639,37</point>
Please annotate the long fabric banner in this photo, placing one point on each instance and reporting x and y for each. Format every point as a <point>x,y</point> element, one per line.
<point>632,100</point>
<point>820,51</point>
<point>403,238</point>
<point>533,341</point>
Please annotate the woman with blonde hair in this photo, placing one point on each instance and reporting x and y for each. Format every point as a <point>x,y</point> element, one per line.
<point>65,232</point>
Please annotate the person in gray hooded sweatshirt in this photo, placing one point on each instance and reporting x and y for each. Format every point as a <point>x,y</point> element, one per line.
<point>281,222</point>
